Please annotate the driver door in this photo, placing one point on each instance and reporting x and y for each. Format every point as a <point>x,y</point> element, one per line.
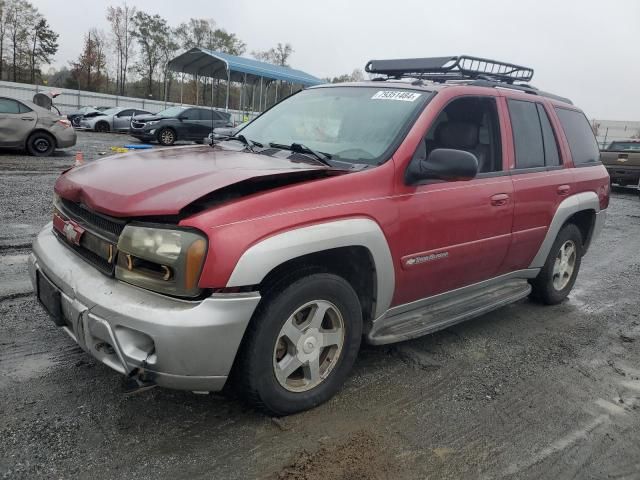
<point>457,233</point>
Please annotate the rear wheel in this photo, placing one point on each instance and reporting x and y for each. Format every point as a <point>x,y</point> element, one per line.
<point>301,345</point>
<point>166,137</point>
<point>102,127</point>
<point>556,279</point>
<point>41,144</point>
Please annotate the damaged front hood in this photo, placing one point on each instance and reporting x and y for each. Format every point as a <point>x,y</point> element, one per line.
<point>163,182</point>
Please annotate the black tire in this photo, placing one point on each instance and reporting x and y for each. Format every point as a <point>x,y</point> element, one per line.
<point>102,127</point>
<point>41,144</point>
<point>167,137</point>
<point>543,288</point>
<point>254,372</point>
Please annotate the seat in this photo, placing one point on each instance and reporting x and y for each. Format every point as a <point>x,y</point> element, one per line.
<point>463,136</point>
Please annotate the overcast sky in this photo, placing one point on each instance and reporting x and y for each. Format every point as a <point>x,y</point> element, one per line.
<point>587,50</point>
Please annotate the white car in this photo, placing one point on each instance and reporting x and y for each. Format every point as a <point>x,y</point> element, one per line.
<point>117,119</point>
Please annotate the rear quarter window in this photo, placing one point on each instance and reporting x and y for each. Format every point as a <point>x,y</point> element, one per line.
<point>582,143</point>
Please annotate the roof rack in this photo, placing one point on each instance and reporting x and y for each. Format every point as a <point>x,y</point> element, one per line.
<point>441,69</point>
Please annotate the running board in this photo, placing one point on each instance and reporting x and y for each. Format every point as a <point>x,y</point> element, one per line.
<point>442,313</point>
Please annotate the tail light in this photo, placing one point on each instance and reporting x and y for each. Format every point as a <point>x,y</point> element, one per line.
<point>604,192</point>
<point>64,122</point>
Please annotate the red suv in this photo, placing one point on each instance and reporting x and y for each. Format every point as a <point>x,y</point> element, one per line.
<point>379,210</point>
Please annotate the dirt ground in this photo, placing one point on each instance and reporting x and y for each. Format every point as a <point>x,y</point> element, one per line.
<point>525,392</point>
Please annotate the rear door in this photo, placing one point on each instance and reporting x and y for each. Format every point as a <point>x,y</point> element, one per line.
<point>541,178</point>
<point>16,122</point>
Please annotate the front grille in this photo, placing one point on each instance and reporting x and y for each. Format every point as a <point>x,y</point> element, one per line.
<point>94,259</point>
<point>109,227</point>
<point>98,243</point>
<point>137,124</point>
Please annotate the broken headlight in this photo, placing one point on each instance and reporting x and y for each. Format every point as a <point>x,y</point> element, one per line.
<point>161,259</point>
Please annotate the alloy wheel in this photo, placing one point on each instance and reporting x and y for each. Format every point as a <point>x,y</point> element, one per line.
<point>564,265</point>
<point>308,346</point>
<point>167,137</point>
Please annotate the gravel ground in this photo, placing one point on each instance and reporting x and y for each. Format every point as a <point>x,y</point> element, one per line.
<point>525,392</point>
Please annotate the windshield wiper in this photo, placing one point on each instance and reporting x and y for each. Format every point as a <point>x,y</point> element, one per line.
<point>248,143</point>
<point>321,157</point>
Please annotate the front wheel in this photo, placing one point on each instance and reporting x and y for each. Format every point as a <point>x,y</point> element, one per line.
<point>559,273</point>
<point>102,127</point>
<point>166,137</point>
<point>301,344</point>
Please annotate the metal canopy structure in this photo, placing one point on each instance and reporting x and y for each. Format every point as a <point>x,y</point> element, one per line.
<point>202,62</point>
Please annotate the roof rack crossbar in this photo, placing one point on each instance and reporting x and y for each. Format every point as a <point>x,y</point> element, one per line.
<point>441,69</point>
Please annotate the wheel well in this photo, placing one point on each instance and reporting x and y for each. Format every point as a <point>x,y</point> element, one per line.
<point>354,264</point>
<point>103,122</point>
<point>40,130</point>
<point>585,221</point>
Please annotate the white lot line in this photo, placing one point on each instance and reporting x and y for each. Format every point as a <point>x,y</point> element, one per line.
<point>612,409</point>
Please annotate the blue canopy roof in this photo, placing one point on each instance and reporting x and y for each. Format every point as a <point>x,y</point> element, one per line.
<point>204,62</point>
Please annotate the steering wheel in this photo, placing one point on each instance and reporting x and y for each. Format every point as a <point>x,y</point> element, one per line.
<point>354,153</point>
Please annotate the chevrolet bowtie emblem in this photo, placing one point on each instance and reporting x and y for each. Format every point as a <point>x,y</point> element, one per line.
<point>72,232</point>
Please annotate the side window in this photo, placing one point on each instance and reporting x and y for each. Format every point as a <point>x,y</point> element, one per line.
<point>9,106</point>
<point>142,112</point>
<point>191,114</point>
<point>206,115</point>
<point>527,134</point>
<point>125,113</point>
<point>582,143</point>
<point>23,108</point>
<point>470,124</point>
<point>551,155</point>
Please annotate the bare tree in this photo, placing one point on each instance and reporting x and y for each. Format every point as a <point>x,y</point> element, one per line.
<point>121,21</point>
<point>279,55</point>
<point>20,19</point>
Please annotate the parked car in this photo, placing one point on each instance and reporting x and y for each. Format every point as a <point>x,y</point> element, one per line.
<point>227,131</point>
<point>112,119</point>
<point>622,161</point>
<point>378,210</point>
<point>75,116</point>
<point>178,123</point>
<point>25,125</point>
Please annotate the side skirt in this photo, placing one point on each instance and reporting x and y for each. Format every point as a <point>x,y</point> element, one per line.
<point>435,313</point>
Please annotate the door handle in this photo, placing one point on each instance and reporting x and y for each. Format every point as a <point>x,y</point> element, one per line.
<point>499,199</point>
<point>564,190</point>
<point>27,118</point>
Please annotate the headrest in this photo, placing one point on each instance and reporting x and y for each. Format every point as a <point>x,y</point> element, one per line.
<point>459,135</point>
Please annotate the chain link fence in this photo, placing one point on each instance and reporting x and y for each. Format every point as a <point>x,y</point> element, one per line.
<point>70,100</point>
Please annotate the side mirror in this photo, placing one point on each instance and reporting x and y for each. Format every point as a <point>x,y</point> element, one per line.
<point>182,117</point>
<point>443,164</point>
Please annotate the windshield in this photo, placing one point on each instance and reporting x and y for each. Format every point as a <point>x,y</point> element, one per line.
<point>625,146</point>
<point>353,124</point>
<point>111,111</point>
<point>171,112</point>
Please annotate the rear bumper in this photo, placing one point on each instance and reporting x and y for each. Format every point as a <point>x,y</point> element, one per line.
<point>188,345</point>
<point>628,174</point>
<point>66,138</point>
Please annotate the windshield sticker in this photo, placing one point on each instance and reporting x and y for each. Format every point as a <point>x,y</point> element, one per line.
<point>396,95</point>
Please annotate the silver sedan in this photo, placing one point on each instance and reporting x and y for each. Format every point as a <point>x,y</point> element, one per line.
<point>111,120</point>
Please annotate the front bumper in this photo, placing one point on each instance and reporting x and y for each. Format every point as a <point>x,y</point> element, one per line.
<point>188,345</point>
